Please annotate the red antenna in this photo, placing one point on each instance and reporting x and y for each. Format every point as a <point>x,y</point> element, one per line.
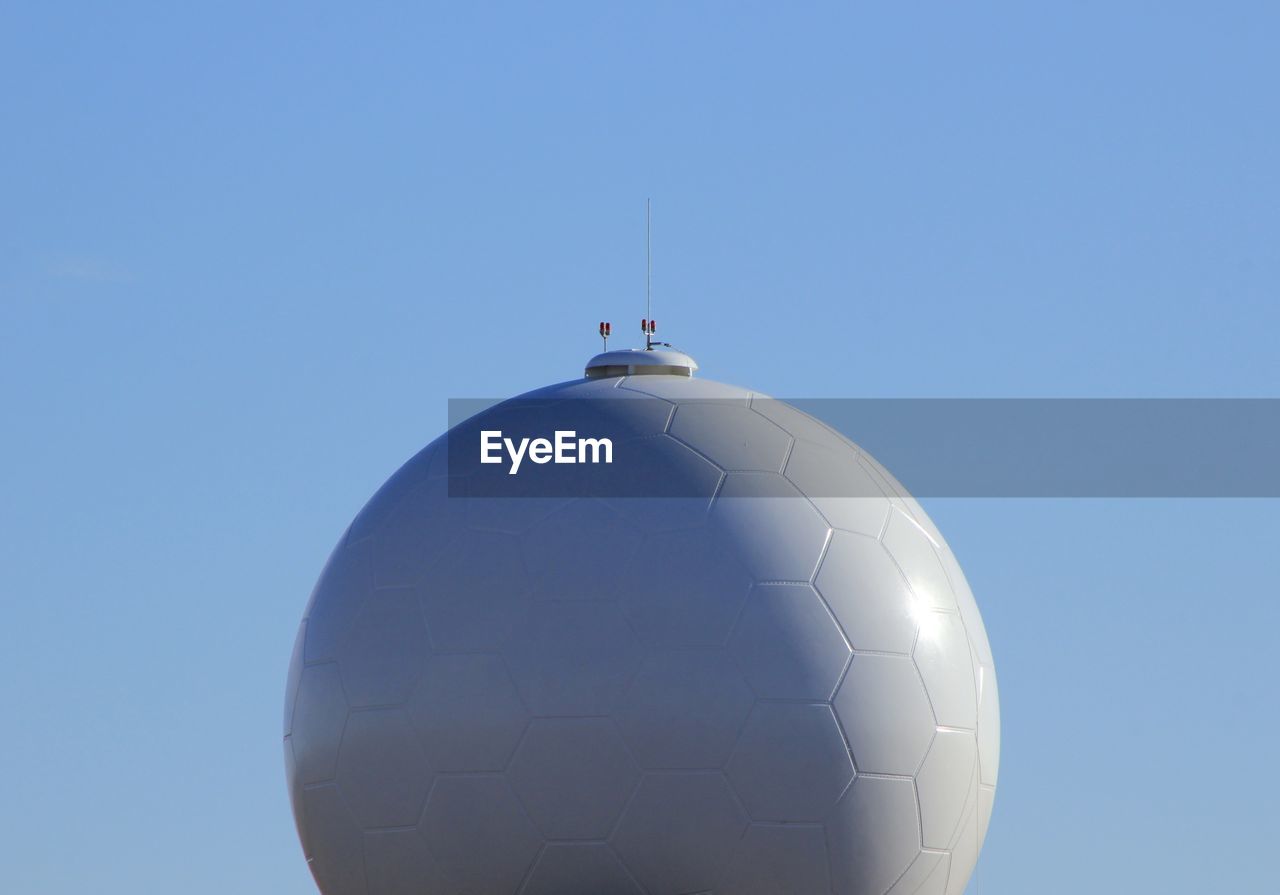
<point>648,327</point>
<point>606,330</point>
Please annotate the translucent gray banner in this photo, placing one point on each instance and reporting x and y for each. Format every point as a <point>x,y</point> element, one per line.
<point>934,447</point>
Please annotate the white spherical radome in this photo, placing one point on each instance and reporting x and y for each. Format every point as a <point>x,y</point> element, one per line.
<point>777,681</point>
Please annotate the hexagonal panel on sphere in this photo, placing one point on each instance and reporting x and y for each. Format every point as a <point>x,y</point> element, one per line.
<point>946,665</point>
<point>944,785</point>
<point>988,725</point>
<point>573,775</point>
<point>695,608</point>
<point>334,842</point>
<point>964,855</point>
<point>319,716</point>
<point>842,490</point>
<point>874,834</point>
<point>384,649</point>
<point>684,709</point>
<point>927,875</point>
<point>868,594</point>
<point>475,595</point>
<point>398,862</point>
<point>756,444</point>
<point>294,679</point>
<point>573,658</point>
<point>778,533</point>
<point>916,554</point>
<point>467,713</point>
<point>344,583</point>
<point>885,714</point>
<point>415,534</point>
<point>755,668</point>
<point>679,831</point>
<point>382,771</point>
<point>780,859</point>
<point>592,574</point>
<point>791,763</point>
<point>788,644</point>
<point>479,835</point>
<point>579,867</point>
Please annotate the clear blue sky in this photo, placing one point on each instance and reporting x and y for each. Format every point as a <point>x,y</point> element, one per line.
<point>246,255</point>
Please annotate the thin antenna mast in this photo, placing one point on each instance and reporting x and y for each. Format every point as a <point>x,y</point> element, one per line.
<point>648,276</point>
<point>647,326</point>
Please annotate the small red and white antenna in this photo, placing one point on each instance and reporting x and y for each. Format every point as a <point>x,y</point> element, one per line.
<point>648,327</point>
<point>606,330</point>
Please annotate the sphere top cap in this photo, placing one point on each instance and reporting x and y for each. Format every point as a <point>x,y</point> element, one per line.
<point>641,362</point>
